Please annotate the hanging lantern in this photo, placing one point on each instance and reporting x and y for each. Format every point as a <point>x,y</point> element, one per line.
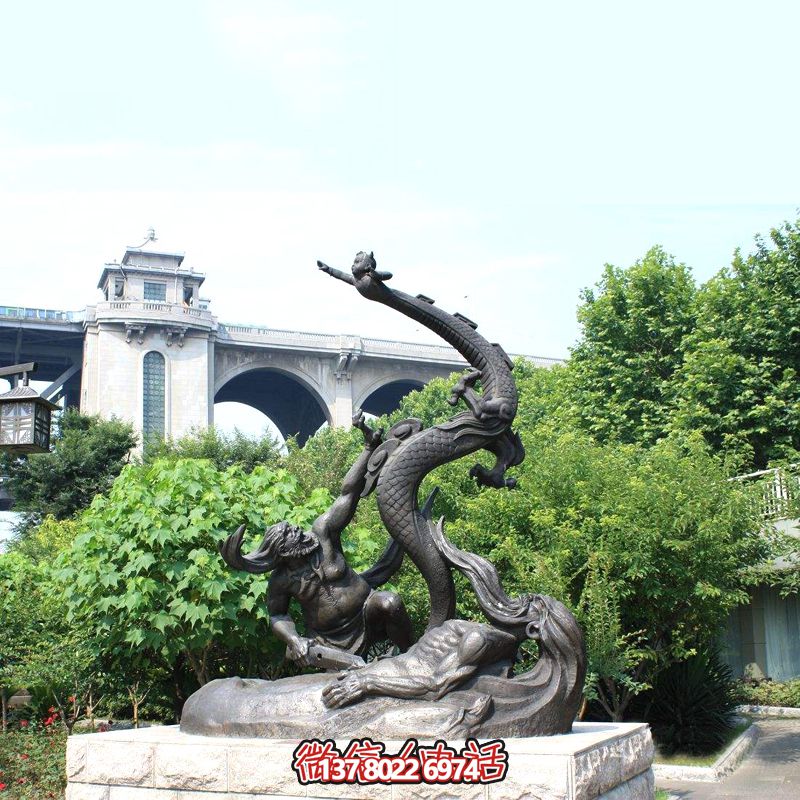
<point>24,416</point>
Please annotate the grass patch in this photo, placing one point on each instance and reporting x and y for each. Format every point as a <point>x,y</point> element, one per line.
<point>661,795</point>
<point>687,760</point>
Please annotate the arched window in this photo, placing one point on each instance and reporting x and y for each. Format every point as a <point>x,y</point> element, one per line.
<point>154,395</point>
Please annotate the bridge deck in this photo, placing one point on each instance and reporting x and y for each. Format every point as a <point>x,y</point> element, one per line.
<point>258,336</point>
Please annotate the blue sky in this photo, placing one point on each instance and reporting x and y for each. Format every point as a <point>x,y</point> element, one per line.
<point>494,156</point>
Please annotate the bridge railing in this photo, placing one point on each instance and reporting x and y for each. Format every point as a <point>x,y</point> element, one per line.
<point>439,352</point>
<point>433,352</point>
<point>46,314</point>
<point>369,346</point>
<point>336,343</point>
<point>324,341</point>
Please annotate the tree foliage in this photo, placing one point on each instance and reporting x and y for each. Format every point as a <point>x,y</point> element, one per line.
<point>88,453</point>
<point>647,546</point>
<point>40,649</point>
<point>633,329</point>
<point>18,578</point>
<point>146,574</point>
<point>658,354</point>
<point>739,383</point>
<point>222,449</point>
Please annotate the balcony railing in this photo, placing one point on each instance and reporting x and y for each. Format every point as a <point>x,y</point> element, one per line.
<point>154,308</point>
<point>776,491</point>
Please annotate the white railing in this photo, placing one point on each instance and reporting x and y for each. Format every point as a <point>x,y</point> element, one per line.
<point>277,336</point>
<point>440,353</point>
<point>153,307</point>
<point>45,314</point>
<point>777,490</point>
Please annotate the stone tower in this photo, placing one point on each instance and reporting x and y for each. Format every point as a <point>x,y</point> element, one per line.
<point>149,348</point>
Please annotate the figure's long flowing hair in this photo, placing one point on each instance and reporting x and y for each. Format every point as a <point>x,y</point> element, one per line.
<point>546,699</point>
<point>503,611</point>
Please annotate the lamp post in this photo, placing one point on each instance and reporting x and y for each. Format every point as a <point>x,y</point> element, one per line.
<point>24,414</point>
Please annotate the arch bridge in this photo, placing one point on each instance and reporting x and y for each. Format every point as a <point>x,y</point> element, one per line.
<point>152,353</point>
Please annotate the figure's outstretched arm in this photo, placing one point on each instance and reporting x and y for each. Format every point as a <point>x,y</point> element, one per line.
<point>336,273</point>
<point>330,525</point>
<point>379,679</point>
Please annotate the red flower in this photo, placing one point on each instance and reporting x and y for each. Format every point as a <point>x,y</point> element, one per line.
<point>71,698</point>
<point>24,756</point>
<point>2,786</point>
<point>51,710</point>
<point>23,723</point>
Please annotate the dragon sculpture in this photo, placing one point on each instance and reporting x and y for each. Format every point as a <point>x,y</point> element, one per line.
<point>397,468</point>
<point>458,679</point>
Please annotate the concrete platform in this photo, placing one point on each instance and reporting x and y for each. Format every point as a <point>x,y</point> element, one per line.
<point>609,761</point>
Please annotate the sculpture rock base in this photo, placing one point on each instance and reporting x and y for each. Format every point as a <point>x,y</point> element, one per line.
<point>609,761</point>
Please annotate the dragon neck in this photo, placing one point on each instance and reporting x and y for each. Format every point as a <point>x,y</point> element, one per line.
<point>479,352</point>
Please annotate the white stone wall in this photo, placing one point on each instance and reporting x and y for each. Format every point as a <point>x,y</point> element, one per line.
<point>606,761</point>
<point>112,382</point>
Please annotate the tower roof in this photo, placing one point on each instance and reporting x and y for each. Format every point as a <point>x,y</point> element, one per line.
<point>152,262</point>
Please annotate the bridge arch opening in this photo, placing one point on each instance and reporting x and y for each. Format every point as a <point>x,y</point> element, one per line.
<point>230,417</point>
<point>387,398</point>
<point>293,407</point>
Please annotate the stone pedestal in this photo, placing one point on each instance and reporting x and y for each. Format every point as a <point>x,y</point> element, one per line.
<point>597,760</point>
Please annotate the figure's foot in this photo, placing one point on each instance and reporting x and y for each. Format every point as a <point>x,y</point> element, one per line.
<point>347,689</point>
<point>464,383</point>
<point>372,437</point>
<point>494,478</point>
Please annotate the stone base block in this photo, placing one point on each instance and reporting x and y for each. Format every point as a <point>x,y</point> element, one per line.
<point>597,760</point>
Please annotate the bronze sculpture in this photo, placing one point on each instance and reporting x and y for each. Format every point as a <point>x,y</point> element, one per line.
<point>342,610</point>
<point>398,466</point>
<point>458,678</point>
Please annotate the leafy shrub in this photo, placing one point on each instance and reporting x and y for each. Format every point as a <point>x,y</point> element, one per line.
<point>32,762</point>
<point>768,693</point>
<point>145,575</point>
<point>692,704</point>
<point>223,450</point>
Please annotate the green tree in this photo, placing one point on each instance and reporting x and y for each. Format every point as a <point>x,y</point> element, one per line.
<point>88,453</point>
<point>145,573</point>
<point>17,577</point>
<point>49,538</point>
<point>633,328</point>
<point>223,450</point>
<point>324,459</point>
<point>40,649</point>
<point>649,546</point>
<point>739,382</point>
